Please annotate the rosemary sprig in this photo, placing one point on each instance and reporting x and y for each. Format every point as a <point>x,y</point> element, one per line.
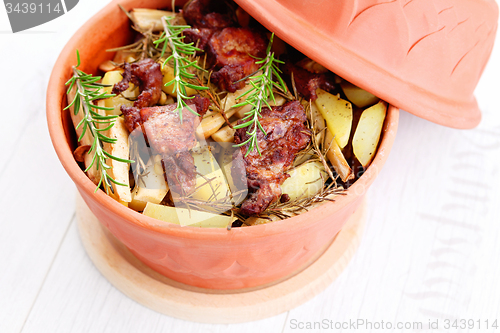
<point>258,96</point>
<point>182,60</point>
<point>87,91</point>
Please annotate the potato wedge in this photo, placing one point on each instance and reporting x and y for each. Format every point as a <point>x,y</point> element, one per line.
<point>211,184</point>
<point>149,19</point>
<point>367,134</point>
<point>185,217</point>
<point>359,97</point>
<point>122,56</point>
<point>168,75</point>
<point>165,100</point>
<point>111,78</point>
<point>304,155</point>
<point>119,170</point>
<point>107,66</point>
<point>150,187</point>
<point>338,115</point>
<point>87,140</point>
<point>212,123</point>
<point>280,100</point>
<point>337,159</point>
<point>316,118</point>
<point>240,113</point>
<point>305,181</point>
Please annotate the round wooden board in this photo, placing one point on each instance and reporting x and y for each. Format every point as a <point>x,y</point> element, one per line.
<point>175,299</point>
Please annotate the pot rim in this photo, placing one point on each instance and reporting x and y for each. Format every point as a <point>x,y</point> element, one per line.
<point>56,100</point>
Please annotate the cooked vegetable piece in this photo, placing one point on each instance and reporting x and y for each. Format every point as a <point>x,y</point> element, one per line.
<point>110,78</point>
<point>119,170</point>
<point>225,134</point>
<point>122,56</point>
<point>211,184</point>
<point>168,76</point>
<point>212,123</point>
<point>149,19</point>
<point>337,159</point>
<point>359,97</point>
<point>305,155</point>
<point>150,186</point>
<point>278,101</point>
<point>338,115</point>
<point>107,66</point>
<point>367,134</point>
<point>315,117</point>
<point>305,180</point>
<point>243,111</point>
<point>240,113</point>
<point>164,99</point>
<point>87,139</point>
<point>185,217</point>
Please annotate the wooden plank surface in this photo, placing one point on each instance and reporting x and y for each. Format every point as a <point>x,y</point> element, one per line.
<point>430,249</point>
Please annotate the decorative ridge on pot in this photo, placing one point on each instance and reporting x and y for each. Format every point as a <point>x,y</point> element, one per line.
<point>425,57</point>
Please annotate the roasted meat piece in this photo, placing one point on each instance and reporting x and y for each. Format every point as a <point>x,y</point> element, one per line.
<point>208,14</point>
<point>285,136</point>
<point>172,140</point>
<point>232,52</point>
<point>307,82</point>
<point>231,49</point>
<point>147,75</point>
<point>199,37</point>
<point>200,103</point>
<point>205,18</point>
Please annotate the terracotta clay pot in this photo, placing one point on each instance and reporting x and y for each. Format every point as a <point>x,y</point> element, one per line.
<point>208,258</point>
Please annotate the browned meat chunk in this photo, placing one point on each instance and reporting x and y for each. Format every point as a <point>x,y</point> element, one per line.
<point>199,37</point>
<point>307,82</point>
<point>285,136</point>
<point>132,117</point>
<point>232,51</point>
<point>200,103</point>
<point>207,14</point>
<point>147,75</point>
<point>172,140</point>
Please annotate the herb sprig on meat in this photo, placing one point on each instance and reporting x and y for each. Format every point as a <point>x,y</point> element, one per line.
<point>182,60</point>
<point>259,96</point>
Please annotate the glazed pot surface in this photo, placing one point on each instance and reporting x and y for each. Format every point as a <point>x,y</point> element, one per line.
<point>425,57</point>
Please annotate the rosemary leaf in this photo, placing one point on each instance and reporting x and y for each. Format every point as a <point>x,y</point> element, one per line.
<point>87,90</point>
<point>182,63</point>
<point>258,96</point>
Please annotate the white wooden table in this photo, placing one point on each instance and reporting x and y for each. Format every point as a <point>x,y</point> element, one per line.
<point>430,251</point>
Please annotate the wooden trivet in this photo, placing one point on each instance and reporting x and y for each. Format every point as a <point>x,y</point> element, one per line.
<point>175,299</point>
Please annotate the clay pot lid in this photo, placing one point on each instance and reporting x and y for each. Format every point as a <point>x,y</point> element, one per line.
<point>423,56</point>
